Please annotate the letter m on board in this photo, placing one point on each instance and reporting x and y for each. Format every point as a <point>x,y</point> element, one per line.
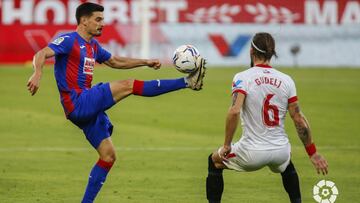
<point>226,49</point>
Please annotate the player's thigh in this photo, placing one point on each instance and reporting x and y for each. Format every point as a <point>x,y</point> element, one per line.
<point>242,159</point>
<point>121,89</point>
<point>90,103</point>
<point>98,129</point>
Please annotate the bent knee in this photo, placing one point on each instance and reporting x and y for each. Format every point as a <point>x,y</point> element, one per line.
<point>128,83</point>
<point>217,161</point>
<point>121,88</point>
<point>125,85</point>
<point>109,157</point>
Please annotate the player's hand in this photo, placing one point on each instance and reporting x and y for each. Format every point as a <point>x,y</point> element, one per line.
<point>153,63</point>
<point>34,83</point>
<point>320,163</point>
<point>224,151</point>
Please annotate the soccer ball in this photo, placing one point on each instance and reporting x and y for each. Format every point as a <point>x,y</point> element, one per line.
<point>185,57</point>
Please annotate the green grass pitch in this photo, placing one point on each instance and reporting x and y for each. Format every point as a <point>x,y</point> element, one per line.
<point>163,142</point>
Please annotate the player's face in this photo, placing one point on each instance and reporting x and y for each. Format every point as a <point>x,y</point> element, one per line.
<point>95,23</point>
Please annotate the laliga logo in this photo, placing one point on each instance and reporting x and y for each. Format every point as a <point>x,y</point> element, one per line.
<point>325,191</point>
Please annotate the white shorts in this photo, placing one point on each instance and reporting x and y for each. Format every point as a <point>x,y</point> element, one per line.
<point>241,159</point>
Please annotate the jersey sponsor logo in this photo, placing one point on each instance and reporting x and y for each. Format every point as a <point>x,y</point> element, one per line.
<point>89,64</point>
<point>59,40</point>
<point>82,46</point>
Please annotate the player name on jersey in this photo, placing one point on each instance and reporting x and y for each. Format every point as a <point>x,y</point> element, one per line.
<point>268,81</point>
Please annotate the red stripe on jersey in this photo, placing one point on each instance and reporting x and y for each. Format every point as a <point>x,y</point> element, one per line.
<point>68,104</point>
<point>72,74</point>
<point>95,48</point>
<point>262,66</point>
<point>72,67</point>
<point>241,91</point>
<point>89,54</point>
<point>292,99</point>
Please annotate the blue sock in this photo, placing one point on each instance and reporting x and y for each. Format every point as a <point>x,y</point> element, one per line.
<point>96,180</point>
<point>157,87</point>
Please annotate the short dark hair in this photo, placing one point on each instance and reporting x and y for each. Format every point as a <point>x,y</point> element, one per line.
<point>263,45</point>
<point>86,9</point>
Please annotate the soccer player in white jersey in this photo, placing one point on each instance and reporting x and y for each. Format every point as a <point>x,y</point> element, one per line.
<point>261,96</point>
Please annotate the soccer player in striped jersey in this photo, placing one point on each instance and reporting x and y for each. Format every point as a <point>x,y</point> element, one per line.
<point>261,96</point>
<point>75,56</point>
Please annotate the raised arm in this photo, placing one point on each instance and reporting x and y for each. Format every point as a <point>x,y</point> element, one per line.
<point>303,129</point>
<point>38,64</point>
<point>128,63</point>
<point>232,120</point>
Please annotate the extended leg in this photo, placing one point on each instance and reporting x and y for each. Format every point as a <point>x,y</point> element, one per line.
<point>157,87</point>
<point>123,88</point>
<point>290,181</point>
<point>99,172</point>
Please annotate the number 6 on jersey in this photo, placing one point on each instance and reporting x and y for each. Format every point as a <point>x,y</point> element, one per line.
<point>267,107</point>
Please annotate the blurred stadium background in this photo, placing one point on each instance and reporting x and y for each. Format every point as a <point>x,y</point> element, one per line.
<point>163,142</point>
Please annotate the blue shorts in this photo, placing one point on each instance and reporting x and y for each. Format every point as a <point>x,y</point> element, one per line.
<point>89,113</point>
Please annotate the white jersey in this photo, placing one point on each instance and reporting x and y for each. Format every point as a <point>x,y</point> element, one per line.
<point>268,93</point>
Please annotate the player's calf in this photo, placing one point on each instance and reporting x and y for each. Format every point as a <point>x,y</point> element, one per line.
<point>291,184</point>
<point>97,178</point>
<point>100,170</point>
<point>214,182</point>
<point>153,88</point>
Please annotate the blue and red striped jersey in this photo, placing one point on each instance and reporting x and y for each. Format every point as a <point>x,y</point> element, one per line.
<point>74,65</point>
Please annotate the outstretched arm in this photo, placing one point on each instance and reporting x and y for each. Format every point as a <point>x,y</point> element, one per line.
<point>38,64</point>
<point>232,121</point>
<point>128,63</point>
<point>303,129</point>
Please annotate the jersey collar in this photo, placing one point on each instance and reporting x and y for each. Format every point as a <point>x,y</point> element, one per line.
<point>82,39</point>
<point>262,66</point>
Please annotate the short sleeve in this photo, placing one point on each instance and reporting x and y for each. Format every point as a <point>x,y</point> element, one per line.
<point>62,44</point>
<point>238,84</point>
<point>292,92</point>
<point>102,55</point>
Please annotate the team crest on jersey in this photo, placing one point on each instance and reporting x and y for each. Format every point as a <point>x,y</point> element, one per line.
<point>59,40</point>
<point>89,64</point>
<point>237,84</point>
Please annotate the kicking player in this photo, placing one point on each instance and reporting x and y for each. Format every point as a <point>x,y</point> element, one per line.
<point>262,95</point>
<point>75,56</point>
